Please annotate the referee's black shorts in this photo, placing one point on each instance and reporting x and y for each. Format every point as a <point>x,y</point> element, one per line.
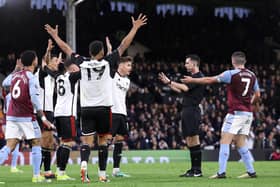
<point>96,120</point>
<point>119,125</point>
<point>191,118</point>
<point>66,127</point>
<point>50,117</point>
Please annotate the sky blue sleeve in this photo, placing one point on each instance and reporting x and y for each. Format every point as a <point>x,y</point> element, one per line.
<point>7,81</point>
<point>34,92</point>
<point>225,77</point>
<point>256,86</point>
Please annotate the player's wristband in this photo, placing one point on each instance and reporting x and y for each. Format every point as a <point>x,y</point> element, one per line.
<point>43,118</point>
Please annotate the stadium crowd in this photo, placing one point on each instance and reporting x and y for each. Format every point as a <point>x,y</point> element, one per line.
<point>154,110</point>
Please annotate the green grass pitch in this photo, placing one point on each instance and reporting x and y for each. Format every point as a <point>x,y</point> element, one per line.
<point>155,175</point>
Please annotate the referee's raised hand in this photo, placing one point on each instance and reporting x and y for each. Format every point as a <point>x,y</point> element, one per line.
<point>141,20</point>
<point>163,78</point>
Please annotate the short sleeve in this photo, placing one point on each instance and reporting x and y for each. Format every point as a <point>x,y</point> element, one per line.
<point>225,77</point>
<point>113,58</point>
<point>77,59</point>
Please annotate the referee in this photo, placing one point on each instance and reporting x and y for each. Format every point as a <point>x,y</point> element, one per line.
<point>192,96</point>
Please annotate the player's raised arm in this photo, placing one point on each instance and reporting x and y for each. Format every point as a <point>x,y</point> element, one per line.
<point>109,45</point>
<point>47,56</point>
<point>53,32</point>
<point>136,24</point>
<point>177,87</point>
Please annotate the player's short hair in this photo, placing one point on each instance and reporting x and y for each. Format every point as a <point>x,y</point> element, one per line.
<point>126,59</point>
<point>95,47</point>
<point>27,57</point>
<point>239,57</point>
<point>68,62</point>
<point>195,58</point>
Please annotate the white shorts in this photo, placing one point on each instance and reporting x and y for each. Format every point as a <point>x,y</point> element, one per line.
<point>28,130</point>
<point>238,123</point>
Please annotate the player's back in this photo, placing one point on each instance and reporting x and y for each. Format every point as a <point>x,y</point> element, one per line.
<point>240,90</point>
<point>66,96</point>
<point>96,84</point>
<point>20,104</point>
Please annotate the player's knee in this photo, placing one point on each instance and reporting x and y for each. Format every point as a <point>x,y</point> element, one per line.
<point>12,143</point>
<point>193,141</point>
<point>119,138</point>
<point>68,142</point>
<point>102,140</point>
<point>35,142</point>
<point>87,140</point>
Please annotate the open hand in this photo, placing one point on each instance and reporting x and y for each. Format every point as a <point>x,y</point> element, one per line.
<point>163,78</point>
<point>141,20</point>
<point>52,31</point>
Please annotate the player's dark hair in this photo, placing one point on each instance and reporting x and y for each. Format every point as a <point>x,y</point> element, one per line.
<point>239,57</point>
<point>195,58</point>
<point>126,59</point>
<point>95,47</point>
<point>27,57</point>
<point>68,62</point>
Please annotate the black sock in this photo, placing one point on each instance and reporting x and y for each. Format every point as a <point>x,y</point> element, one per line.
<point>58,160</point>
<point>117,154</point>
<point>46,158</point>
<point>102,157</point>
<point>64,156</point>
<point>196,157</point>
<point>85,152</point>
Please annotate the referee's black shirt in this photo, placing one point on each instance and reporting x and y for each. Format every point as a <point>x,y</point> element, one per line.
<point>194,95</point>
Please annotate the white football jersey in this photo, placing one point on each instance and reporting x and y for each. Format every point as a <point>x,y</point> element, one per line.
<point>66,101</point>
<point>96,84</point>
<point>120,88</point>
<point>46,93</point>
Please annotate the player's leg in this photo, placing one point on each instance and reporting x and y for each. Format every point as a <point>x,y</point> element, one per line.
<point>36,159</point>
<point>229,129</point>
<point>12,134</point>
<point>119,130</point>
<point>32,131</point>
<point>104,122</point>
<point>245,156</point>
<point>195,153</point>
<point>190,127</point>
<point>67,132</point>
<point>88,128</point>
<point>15,155</point>
<point>102,157</point>
<point>87,143</point>
<point>47,143</point>
<point>7,149</point>
<point>245,121</point>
